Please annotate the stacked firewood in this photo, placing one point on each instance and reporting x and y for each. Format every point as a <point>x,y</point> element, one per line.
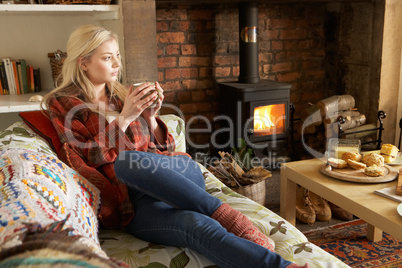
<point>233,173</point>
<point>320,121</point>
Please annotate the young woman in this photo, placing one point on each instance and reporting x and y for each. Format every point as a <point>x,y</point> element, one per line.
<point>112,137</point>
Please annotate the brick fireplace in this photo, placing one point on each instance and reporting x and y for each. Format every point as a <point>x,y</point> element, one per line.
<point>315,46</point>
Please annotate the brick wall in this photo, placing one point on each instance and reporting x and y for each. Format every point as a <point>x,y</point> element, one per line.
<point>198,48</point>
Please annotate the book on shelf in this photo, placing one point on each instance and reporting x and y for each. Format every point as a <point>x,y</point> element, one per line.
<point>10,75</point>
<point>30,75</point>
<point>37,83</point>
<point>19,74</point>
<point>24,77</point>
<point>3,79</point>
<point>17,77</point>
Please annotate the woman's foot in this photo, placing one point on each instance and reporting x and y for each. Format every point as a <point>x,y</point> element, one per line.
<point>254,235</point>
<point>238,224</point>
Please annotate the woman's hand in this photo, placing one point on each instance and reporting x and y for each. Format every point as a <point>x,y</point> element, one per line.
<point>135,104</point>
<point>151,112</point>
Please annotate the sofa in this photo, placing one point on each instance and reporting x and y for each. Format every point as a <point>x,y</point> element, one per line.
<point>48,212</point>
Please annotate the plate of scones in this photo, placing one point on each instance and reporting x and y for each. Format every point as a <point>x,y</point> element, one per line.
<point>370,167</point>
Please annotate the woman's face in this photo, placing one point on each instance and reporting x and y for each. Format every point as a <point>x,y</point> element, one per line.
<point>103,66</point>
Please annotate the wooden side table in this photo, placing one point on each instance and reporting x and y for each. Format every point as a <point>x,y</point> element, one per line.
<point>358,198</point>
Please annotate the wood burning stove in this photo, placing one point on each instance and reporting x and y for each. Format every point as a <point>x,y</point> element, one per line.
<point>259,113</point>
<point>258,110</point>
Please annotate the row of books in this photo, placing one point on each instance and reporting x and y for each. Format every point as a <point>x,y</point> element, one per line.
<point>16,77</point>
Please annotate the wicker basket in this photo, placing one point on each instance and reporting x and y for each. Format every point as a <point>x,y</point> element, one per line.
<point>74,2</point>
<point>56,63</point>
<point>256,192</point>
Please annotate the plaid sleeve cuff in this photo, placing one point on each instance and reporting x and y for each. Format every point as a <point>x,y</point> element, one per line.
<point>168,143</point>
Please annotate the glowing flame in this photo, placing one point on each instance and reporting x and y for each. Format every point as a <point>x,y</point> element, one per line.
<point>262,118</point>
<point>269,119</point>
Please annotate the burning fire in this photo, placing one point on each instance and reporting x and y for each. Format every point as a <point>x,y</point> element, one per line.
<point>269,119</point>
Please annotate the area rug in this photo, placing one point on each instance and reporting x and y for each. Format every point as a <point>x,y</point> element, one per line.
<point>349,243</point>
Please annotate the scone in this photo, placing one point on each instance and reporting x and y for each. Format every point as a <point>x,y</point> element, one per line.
<point>373,159</point>
<point>337,163</point>
<point>374,171</point>
<point>389,152</point>
<point>355,156</point>
<point>355,164</point>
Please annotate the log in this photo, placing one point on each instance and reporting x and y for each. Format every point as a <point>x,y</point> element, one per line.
<point>229,160</point>
<point>329,119</point>
<point>231,174</point>
<point>310,129</point>
<point>314,143</point>
<point>350,122</point>
<point>353,122</point>
<point>255,175</point>
<point>361,134</point>
<point>335,103</point>
<point>331,132</point>
<point>320,136</point>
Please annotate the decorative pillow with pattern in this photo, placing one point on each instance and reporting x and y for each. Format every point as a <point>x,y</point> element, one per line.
<point>176,128</point>
<point>37,187</point>
<point>20,136</point>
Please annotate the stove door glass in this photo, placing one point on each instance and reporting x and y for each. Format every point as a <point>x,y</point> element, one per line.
<point>269,119</point>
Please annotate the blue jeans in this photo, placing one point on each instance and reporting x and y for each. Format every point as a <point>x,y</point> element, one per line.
<point>172,208</point>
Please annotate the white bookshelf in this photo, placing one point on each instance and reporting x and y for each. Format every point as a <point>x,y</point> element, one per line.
<point>18,103</point>
<point>106,11</point>
<point>34,30</point>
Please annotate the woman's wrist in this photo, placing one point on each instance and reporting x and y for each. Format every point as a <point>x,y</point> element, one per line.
<point>122,122</point>
<point>152,123</point>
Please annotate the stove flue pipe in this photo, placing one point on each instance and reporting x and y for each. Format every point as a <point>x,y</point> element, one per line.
<point>248,28</point>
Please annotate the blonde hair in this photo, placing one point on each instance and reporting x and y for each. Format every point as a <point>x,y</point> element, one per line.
<point>82,44</point>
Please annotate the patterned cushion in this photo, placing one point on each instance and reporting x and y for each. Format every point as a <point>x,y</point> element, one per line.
<point>20,136</point>
<point>175,126</point>
<point>37,187</point>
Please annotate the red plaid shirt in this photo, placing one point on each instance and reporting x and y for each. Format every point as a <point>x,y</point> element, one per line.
<point>91,145</point>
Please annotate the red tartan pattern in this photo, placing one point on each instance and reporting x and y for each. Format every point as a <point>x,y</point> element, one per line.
<point>91,145</point>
